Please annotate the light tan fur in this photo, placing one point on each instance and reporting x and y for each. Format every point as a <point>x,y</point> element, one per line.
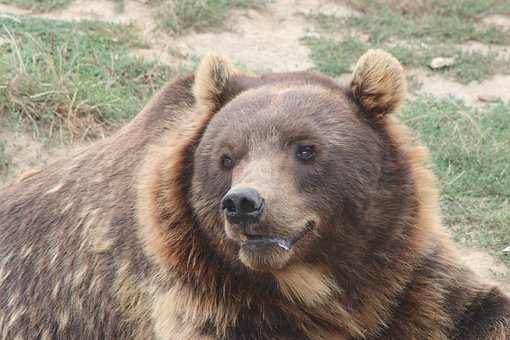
<point>29,173</point>
<point>158,161</point>
<point>426,186</point>
<point>211,78</point>
<point>302,283</point>
<point>181,310</point>
<point>378,82</point>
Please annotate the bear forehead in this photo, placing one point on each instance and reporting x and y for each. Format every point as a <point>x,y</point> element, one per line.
<point>286,96</point>
<point>287,106</point>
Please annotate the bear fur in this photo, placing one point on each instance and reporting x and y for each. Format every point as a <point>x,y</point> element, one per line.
<point>126,239</point>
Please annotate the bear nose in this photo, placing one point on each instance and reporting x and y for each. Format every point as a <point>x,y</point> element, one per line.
<point>243,205</point>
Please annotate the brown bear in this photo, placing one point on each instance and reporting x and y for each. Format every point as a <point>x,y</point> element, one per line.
<point>283,206</point>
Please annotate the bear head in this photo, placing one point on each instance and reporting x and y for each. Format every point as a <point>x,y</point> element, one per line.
<point>286,162</point>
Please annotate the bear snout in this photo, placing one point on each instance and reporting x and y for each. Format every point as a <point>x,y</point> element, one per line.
<point>243,205</point>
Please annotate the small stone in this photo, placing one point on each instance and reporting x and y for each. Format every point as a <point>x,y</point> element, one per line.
<point>488,98</point>
<point>506,250</point>
<point>439,62</point>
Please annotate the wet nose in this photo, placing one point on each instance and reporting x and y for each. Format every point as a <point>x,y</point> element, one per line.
<point>243,205</point>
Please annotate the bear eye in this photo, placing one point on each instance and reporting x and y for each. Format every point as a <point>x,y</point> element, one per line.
<point>305,152</point>
<point>227,162</point>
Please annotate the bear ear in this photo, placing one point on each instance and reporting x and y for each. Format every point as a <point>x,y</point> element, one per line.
<point>212,88</point>
<point>378,83</point>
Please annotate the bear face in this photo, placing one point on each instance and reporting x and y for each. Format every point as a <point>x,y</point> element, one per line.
<point>284,163</point>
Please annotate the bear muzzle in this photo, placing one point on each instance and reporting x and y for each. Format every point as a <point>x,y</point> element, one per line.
<point>250,226</point>
<point>243,206</point>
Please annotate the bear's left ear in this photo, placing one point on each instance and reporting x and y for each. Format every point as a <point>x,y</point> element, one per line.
<point>378,84</point>
<point>213,86</point>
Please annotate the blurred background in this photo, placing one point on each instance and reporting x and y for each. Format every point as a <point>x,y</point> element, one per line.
<point>73,71</point>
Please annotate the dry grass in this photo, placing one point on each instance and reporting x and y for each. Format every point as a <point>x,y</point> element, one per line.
<point>470,150</point>
<point>182,16</point>
<point>77,78</point>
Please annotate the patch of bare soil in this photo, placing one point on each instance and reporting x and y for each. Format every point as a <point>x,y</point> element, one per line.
<point>327,7</point>
<point>23,153</point>
<point>26,153</point>
<point>486,266</point>
<point>498,20</point>
<point>134,12</point>
<point>496,87</point>
<point>500,51</point>
<point>13,10</point>
<point>264,40</point>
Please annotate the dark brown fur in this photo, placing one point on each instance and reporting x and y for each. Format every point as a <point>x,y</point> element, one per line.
<point>125,239</point>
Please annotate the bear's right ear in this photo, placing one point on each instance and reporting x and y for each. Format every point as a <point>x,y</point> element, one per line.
<point>378,84</point>
<point>213,86</point>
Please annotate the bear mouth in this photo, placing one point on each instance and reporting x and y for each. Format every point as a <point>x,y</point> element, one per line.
<point>255,241</point>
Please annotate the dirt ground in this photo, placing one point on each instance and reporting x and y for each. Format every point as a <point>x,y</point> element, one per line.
<point>262,40</point>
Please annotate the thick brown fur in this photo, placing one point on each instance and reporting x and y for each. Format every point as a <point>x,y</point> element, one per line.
<point>122,240</point>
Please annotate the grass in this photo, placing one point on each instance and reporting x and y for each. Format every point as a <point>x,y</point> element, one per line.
<point>415,32</point>
<point>429,20</point>
<point>76,77</point>
<point>475,66</point>
<point>50,5</point>
<point>176,16</point>
<point>334,57</point>
<point>182,16</point>
<point>469,9</point>
<point>120,5</point>
<point>470,152</point>
<point>38,5</point>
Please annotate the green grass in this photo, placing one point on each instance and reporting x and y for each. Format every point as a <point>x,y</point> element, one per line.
<point>119,5</point>
<point>49,5</point>
<point>474,66</point>
<point>182,16</point>
<point>74,77</point>
<point>415,32</point>
<point>38,5</point>
<point>469,9</point>
<point>428,20</point>
<point>334,57</point>
<point>470,149</point>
